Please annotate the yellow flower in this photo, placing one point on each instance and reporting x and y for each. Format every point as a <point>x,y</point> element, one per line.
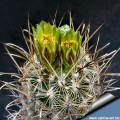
<point>70,44</point>
<point>46,39</point>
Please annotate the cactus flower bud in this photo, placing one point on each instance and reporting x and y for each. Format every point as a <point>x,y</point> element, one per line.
<point>70,44</point>
<point>46,38</point>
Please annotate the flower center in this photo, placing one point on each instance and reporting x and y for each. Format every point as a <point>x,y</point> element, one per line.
<point>48,39</point>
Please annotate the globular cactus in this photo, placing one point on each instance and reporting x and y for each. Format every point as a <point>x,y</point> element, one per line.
<point>61,78</point>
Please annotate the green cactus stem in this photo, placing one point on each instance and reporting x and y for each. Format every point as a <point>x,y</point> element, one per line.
<point>61,78</point>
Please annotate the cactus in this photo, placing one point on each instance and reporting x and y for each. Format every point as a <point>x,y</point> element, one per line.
<point>61,78</point>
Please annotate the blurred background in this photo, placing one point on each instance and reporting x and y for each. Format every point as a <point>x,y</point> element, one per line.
<point>14,15</point>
